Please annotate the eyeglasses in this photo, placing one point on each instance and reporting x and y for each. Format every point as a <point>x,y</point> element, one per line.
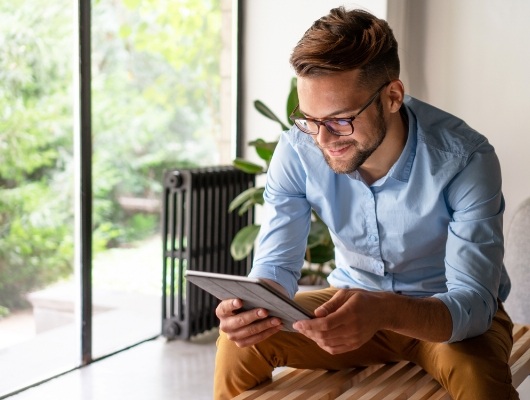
<point>336,126</point>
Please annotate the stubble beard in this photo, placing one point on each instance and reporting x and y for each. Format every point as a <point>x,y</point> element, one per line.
<point>362,151</point>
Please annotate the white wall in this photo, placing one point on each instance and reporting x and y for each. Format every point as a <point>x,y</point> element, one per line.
<point>471,58</point>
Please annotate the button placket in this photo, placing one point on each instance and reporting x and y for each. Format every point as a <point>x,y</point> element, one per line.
<point>372,233</point>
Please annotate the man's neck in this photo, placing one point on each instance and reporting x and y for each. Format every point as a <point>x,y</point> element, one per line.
<point>388,152</point>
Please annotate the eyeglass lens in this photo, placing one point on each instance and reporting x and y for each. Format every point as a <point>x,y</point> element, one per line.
<point>337,126</point>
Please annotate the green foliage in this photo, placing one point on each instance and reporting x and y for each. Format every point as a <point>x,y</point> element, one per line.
<point>243,242</point>
<point>292,99</point>
<point>320,250</point>
<point>266,112</point>
<point>36,243</point>
<point>292,102</point>
<point>155,98</point>
<point>35,136</point>
<point>247,199</point>
<point>4,312</point>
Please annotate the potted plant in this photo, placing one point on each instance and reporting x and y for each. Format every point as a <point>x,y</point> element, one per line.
<point>319,256</point>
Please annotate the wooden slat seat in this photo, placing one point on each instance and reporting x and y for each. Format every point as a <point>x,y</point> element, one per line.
<point>403,380</point>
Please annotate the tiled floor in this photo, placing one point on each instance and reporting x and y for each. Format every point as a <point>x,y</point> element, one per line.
<point>154,370</point>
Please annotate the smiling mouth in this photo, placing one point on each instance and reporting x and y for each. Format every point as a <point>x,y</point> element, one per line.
<point>338,151</point>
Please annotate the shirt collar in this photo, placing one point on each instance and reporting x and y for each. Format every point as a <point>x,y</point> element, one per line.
<point>401,170</point>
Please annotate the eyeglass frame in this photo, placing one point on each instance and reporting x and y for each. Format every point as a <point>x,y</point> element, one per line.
<point>324,122</point>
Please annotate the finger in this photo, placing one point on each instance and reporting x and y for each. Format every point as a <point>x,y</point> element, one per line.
<point>333,304</point>
<point>339,344</point>
<point>324,333</point>
<point>228,307</point>
<point>332,346</point>
<point>246,322</point>
<point>322,324</point>
<point>258,337</point>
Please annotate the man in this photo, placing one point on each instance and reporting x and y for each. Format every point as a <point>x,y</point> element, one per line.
<point>412,197</point>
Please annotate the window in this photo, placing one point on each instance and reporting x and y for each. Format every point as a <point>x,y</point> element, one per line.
<point>155,103</point>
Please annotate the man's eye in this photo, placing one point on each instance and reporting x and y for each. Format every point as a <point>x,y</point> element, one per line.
<point>303,122</point>
<point>342,122</point>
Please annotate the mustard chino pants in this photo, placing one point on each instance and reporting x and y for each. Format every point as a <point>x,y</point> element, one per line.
<point>475,368</point>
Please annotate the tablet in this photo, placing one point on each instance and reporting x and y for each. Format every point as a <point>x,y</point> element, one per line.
<point>255,293</point>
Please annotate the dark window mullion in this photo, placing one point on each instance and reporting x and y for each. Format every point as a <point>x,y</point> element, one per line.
<point>85,165</point>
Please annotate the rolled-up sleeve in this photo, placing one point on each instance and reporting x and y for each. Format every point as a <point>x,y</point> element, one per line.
<point>475,244</point>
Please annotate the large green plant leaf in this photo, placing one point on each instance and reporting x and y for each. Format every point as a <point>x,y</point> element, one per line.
<point>264,149</point>
<point>266,111</point>
<point>292,98</point>
<point>243,242</point>
<point>318,234</point>
<point>247,199</point>
<point>319,243</point>
<point>321,254</point>
<point>247,166</point>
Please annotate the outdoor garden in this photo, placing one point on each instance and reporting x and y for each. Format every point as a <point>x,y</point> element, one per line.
<point>155,106</point>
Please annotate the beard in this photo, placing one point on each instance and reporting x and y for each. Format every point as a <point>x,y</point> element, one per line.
<point>362,152</point>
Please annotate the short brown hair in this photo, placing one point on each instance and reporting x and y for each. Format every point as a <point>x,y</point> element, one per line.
<point>346,40</point>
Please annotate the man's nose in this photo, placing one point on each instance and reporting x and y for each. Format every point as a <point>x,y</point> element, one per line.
<point>325,136</point>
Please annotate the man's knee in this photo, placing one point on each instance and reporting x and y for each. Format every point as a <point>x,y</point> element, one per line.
<point>469,373</point>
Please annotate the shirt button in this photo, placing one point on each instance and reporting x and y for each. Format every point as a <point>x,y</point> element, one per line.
<point>373,238</point>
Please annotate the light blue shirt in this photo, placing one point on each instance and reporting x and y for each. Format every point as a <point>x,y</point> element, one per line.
<point>431,227</point>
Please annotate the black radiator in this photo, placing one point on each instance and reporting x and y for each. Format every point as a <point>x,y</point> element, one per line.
<point>197,230</point>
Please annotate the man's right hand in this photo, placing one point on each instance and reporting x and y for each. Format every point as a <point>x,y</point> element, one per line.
<point>246,328</point>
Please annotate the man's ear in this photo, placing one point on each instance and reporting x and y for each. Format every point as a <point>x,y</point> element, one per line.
<point>396,94</point>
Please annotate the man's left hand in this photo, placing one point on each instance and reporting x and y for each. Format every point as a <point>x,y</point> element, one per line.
<point>345,322</point>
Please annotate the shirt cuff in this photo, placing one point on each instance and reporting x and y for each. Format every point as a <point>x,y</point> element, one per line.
<point>285,278</point>
<point>470,314</point>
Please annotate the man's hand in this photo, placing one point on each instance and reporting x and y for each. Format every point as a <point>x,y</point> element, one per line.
<point>246,328</point>
<point>343,323</point>
<point>351,317</point>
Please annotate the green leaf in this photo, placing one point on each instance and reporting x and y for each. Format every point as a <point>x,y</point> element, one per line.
<point>319,243</point>
<point>265,111</point>
<point>292,98</point>
<point>318,234</point>
<point>4,312</point>
<point>245,207</point>
<point>247,166</point>
<point>252,195</point>
<point>264,149</point>
<point>132,4</point>
<point>125,31</point>
<point>321,254</point>
<point>243,242</point>
<point>251,203</point>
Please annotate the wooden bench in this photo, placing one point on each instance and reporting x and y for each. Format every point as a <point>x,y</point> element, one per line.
<point>403,380</point>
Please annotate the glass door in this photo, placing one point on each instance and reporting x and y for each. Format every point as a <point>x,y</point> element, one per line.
<point>156,84</point>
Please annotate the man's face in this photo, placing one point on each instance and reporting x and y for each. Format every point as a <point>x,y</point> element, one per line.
<point>338,96</point>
